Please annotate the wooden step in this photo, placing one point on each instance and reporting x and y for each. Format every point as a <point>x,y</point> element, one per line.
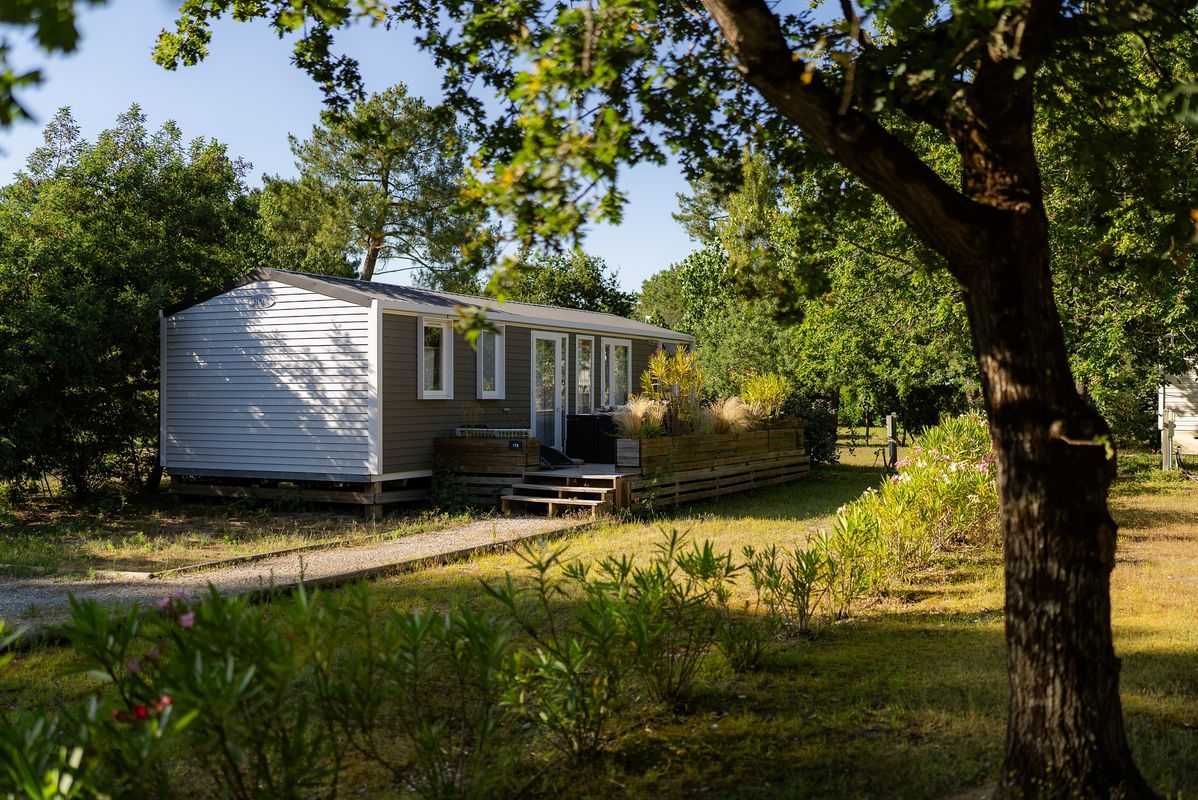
<point>553,487</point>
<point>566,501</point>
<point>554,505</point>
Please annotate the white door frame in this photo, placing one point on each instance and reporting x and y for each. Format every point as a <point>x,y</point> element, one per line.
<point>559,368</point>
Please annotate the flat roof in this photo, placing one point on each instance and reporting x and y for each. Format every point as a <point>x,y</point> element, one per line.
<point>412,299</point>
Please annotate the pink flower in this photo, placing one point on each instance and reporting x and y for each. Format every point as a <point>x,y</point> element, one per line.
<point>187,620</point>
<point>163,703</point>
<point>164,603</point>
<point>134,666</point>
<point>153,653</point>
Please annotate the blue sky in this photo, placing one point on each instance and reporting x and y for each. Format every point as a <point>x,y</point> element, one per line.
<point>249,96</point>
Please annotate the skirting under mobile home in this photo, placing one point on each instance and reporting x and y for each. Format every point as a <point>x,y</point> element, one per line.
<point>284,376</point>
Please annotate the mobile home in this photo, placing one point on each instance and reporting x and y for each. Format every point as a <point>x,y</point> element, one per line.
<point>298,377</point>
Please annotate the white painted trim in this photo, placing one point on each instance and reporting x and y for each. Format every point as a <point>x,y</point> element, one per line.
<point>556,338</point>
<point>446,391</point>
<point>500,390</point>
<point>578,340</point>
<point>374,349</point>
<point>161,389</point>
<point>607,363</point>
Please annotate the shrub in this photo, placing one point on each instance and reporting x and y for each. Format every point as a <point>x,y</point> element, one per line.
<point>766,394</point>
<point>437,680</point>
<point>817,414</point>
<point>676,382</point>
<point>570,684</point>
<point>943,494</point>
<point>668,614</point>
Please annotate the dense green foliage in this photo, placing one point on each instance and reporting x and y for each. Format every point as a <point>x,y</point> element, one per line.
<point>379,187</point>
<point>97,237</point>
<point>571,280</point>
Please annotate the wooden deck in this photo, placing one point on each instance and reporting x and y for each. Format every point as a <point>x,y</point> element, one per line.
<point>649,473</point>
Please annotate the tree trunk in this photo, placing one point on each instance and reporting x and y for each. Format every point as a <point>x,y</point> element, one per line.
<point>1065,735</point>
<point>373,247</point>
<point>154,479</point>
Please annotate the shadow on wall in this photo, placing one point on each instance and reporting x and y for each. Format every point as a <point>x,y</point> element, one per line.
<point>240,393</point>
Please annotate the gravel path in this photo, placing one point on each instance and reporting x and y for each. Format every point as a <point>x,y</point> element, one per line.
<point>42,601</point>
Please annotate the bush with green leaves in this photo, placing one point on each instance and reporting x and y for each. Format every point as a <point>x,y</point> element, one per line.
<point>675,381</point>
<point>944,493</point>
<point>767,393</point>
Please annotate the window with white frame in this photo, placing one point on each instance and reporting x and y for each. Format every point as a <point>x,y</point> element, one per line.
<point>617,369</point>
<point>435,362</point>
<point>490,369</point>
<point>585,372</point>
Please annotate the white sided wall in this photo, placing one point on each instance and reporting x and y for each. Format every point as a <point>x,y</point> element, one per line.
<point>269,380</point>
<point>1180,395</point>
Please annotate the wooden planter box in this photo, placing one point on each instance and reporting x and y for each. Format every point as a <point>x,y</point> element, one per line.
<point>677,469</point>
<point>485,467</point>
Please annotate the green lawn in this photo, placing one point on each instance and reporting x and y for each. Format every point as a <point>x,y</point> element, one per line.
<point>906,701</point>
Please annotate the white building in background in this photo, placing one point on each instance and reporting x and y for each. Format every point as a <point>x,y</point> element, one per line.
<point>1179,395</point>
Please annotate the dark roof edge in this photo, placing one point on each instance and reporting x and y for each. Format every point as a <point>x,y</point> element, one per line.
<point>282,276</point>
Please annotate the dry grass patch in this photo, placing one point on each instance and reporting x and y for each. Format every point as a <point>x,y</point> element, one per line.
<point>46,536</point>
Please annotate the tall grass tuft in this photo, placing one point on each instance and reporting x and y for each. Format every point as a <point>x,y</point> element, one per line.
<point>729,415</point>
<point>643,418</point>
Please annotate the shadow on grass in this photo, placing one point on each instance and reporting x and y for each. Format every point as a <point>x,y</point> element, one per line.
<point>905,704</point>
<point>1137,523</point>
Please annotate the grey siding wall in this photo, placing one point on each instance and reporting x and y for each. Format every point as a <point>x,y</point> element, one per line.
<point>410,425</point>
<point>267,380</point>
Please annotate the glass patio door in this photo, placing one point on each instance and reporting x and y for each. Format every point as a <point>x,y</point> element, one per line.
<point>548,385</point>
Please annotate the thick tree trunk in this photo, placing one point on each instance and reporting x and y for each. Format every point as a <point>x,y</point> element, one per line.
<point>1065,735</point>
<point>1065,731</point>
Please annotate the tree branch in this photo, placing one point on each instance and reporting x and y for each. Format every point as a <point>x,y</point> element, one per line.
<point>940,215</point>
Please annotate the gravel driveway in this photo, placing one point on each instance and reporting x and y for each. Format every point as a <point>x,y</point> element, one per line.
<point>41,601</point>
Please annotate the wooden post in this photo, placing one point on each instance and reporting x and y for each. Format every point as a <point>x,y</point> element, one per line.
<point>374,511</point>
<point>891,442</point>
<point>1168,425</point>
